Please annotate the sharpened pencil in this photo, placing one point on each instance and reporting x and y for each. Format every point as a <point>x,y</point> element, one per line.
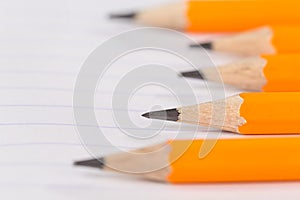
<point>274,73</point>
<point>231,160</point>
<point>217,15</point>
<point>264,40</point>
<point>246,113</point>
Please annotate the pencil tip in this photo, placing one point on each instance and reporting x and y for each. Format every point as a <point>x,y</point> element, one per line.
<point>193,74</point>
<point>129,15</point>
<point>169,115</point>
<point>96,163</point>
<point>146,115</point>
<point>206,45</point>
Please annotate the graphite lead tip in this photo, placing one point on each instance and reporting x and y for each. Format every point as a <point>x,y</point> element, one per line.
<point>130,15</point>
<point>193,74</point>
<point>206,45</point>
<point>96,163</point>
<point>169,115</point>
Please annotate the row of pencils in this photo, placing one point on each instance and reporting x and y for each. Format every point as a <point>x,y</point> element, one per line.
<point>266,33</point>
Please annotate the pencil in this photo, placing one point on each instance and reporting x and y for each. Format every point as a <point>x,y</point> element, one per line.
<point>246,113</point>
<point>231,160</point>
<point>271,73</point>
<point>264,40</point>
<point>217,15</point>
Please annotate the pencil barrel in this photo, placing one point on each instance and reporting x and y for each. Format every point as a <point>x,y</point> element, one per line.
<point>285,39</point>
<point>270,113</point>
<point>220,15</point>
<point>282,73</point>
<point>237,160</point>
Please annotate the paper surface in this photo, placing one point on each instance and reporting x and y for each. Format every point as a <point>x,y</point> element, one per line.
<point>43,46</point>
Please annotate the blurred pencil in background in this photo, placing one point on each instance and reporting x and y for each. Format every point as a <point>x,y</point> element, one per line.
<point>231,160</point>
<point>218,15</point>
<point>264,40</point>
<point>271,73</point>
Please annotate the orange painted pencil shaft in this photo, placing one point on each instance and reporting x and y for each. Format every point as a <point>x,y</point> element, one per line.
<point>220,15</point>
<point>285,39</point>
<point>267,113</point>
<point>282,73</point>
<point>237,160</point>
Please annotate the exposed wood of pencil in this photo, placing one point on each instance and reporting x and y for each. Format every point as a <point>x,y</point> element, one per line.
<point>249,43</point>
<point>136,162</point>
<point>265,40</point>
<point>206,114</point>
<point>169,16</point>
<point>248,159</point>
<point>246,74</point>
<point>269,73</point>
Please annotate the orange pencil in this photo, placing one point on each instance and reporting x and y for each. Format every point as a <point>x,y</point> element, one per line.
<point>246,113</point>
<point>273,73</point>
<point>231,160</point>
<point>263,40</point>
<point>218,15</point>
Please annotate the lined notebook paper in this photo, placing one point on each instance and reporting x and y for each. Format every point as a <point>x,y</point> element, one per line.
<point>42,47</point>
